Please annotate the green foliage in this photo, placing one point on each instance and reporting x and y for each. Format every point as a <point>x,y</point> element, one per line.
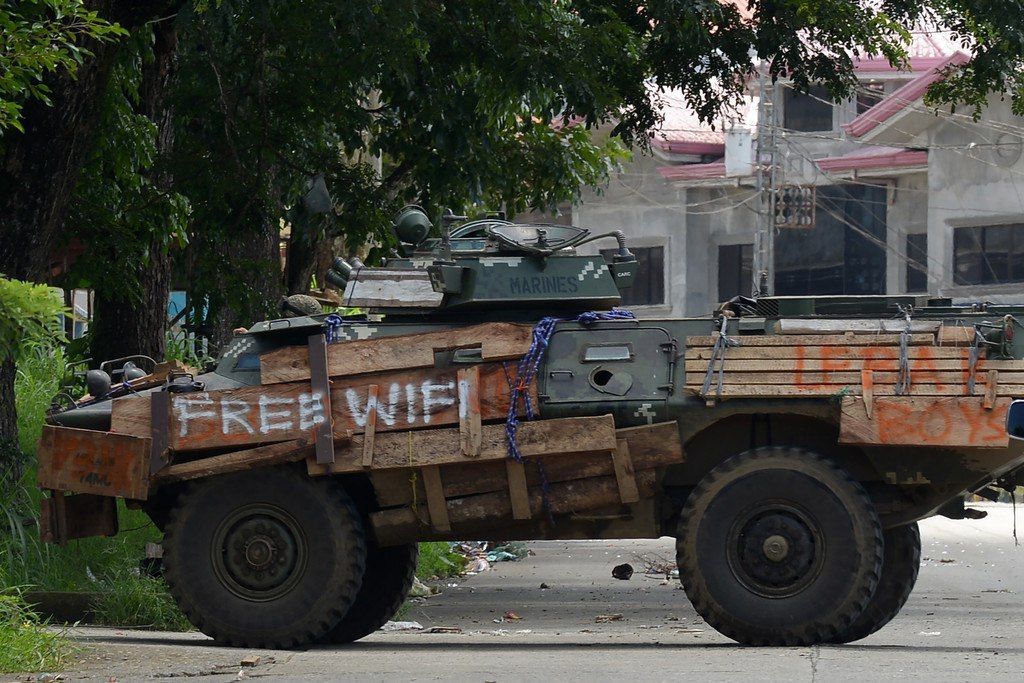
<point>139,601</point>
<point>40,371</point>
<point>29,315</point>
<point>437,561</point>
<point>26,645</point>
<point>39,38</point>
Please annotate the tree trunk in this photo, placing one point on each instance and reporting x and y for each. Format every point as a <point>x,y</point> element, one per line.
<point>10,456</point>
<point>125,325</point>
<point>257,258</point>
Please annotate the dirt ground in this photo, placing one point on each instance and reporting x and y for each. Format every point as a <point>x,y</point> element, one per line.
<point>962,622</point>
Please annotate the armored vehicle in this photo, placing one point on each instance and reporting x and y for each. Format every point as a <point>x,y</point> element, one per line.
<point>492,390</point>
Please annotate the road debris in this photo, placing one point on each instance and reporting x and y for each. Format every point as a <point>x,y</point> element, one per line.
<point>623,572</point>
<point>394,626</point>
<point>422,590</point>
<point>252,660</point>
<point>444,629</point>
<point>605,618</point>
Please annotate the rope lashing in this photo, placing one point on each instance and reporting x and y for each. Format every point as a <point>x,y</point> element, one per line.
<point>903,377</point>
<point>718,355</point>
<point>333,324</point>
<point>526,371</point>
<point>975,354</point>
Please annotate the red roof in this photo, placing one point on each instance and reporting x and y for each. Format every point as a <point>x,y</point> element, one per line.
<point>902,98</point>
<point>683,146</point>
<point>693,171</point>
<point>874,158</point>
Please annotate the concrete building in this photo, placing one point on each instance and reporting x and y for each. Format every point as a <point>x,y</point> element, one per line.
<point>876,194</point>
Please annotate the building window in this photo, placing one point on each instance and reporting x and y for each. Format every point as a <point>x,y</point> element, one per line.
<point>917,263</point>
<point>735,270</point>
<point>868,95</point>
<point>807,112</point>
<point>649,287</point>
<point>844,253</point>
<point>989,254</point>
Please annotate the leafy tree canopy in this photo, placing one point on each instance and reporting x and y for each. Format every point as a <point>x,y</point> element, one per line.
<point>39,38</point>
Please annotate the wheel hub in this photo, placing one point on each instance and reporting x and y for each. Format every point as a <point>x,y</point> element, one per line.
<point>259,552</point>
<point>775,551</point>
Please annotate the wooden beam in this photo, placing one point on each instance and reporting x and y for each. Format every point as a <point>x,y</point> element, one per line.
<point>837,352</point>
<point>955,335</point>
<point>650,446</point>
<point>437,506</point>
<point>497,341</point>
<point>867,389</point>
<point>923,421</point>
<point>847,377</point>
<point>159,422</point>
<point>422,447</point>
<point>469,411</point>
<point>237,461</point>
<point>836,339</point>
<point>797,365</point>
<point>400,525</point>
<point>323,423</point>
<point>625,476</point>
<point>991,389</point>
<point>370,431</point>
<point>517,489</point>
<point>855,325</point>
<point>88,461</point>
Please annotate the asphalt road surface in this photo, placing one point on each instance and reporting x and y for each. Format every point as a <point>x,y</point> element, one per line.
<point>965,621</point>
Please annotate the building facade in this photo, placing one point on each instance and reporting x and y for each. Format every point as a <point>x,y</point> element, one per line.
<point>877,194</point>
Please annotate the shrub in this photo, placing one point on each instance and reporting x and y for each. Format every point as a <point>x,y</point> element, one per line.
<point>26,644</point>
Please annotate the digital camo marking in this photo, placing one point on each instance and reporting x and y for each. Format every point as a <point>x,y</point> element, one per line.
<point>239,347</point>
<point>236,416</point>
<point>645,412</point>
<point>510,261</point>
<point>595,271</point>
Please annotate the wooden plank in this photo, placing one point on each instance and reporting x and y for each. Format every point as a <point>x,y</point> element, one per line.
<point>159,421</point>
<point>131,415</point>
<point>399,525</point>
<point>751,391</point>
<point>991,389</point>
<point>66,518</point>
<point>391,287</point>
<point>237,461</point>
<point>246,416</point>
<point>625,476</point>
<point>867,388</point>
<point>853,365</point>
<point>87,461</point>
<point>497,341</point>
<point>836,352</point>
<point>852,377</point>
<point>437,506</point>
<point>812,340</point>
<point>855,325</point>
<point>323,429</point>
<point>370,429</point>
<point>469,410</point>
<point>955,335</point>
<point>650,446</point>
<point>419,448</point>
<point>517,489</point>
<point>940,421</point>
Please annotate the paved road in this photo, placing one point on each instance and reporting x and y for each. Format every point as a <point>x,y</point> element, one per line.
<point>965,620</point>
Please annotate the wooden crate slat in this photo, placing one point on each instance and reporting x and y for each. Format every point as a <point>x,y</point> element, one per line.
<point>87,461</point>
<point>812,340</point>
<point>854,365</point>
<point>236,461</point>
<point>497,341</point>
<point>423,447</point>
<point>839,352</point>
<point>650,446</point>
<point>400,524</point>
<point>925,421</point>
<point>848,377</point>
<point>754,390</point>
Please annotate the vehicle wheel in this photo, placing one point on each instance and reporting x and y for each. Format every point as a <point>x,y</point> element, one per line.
<point>267,558</point>
<point>900,565</point>
<point>778,546</point>
<point>387,580</point>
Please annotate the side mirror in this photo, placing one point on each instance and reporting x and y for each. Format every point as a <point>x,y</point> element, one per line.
<point>1015,420</point>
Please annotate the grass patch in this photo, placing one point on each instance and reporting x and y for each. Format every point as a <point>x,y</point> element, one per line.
<point>26,645</point>
<point>437,561</point>
<point>139,601</point>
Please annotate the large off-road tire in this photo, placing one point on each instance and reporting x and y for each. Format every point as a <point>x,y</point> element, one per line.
<point>387,580</point>
<point>900,565</point>
<point>778,546</point>
<point>267,558</point>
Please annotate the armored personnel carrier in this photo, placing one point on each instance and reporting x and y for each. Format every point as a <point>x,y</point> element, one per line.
<point>493,390</point>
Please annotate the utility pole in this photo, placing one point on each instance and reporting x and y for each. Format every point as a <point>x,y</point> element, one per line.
<point>767,182</point>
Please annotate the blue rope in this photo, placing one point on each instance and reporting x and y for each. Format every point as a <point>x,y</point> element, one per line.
<point>333,323</point>
<point>530,363</point>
